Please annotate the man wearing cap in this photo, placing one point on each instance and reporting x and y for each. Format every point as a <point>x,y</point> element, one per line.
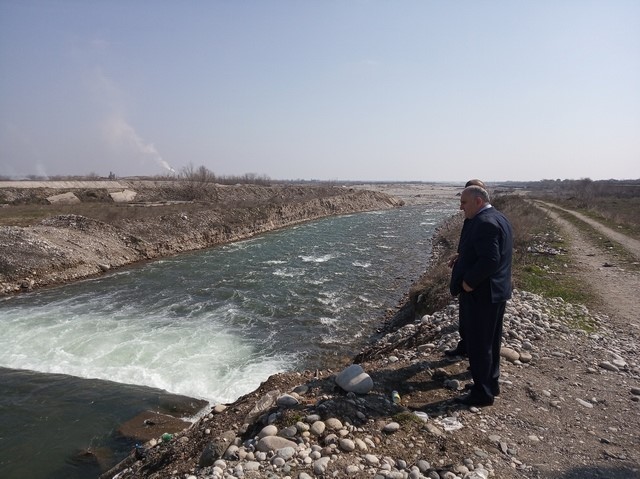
<point>481,278</point>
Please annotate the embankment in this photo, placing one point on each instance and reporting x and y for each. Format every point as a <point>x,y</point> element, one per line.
<point>95,234</point>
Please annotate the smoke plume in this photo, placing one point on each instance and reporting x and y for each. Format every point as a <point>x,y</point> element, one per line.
<point>122,134</point>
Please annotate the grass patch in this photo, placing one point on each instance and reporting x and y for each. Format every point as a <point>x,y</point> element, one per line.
<point>541,278</point>
<point>405,417</point>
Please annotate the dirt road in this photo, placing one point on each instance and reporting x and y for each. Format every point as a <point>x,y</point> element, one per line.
<point>630,244</point>
<point>615,285</point>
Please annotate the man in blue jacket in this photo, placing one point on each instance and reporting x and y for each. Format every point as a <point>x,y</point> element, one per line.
<point>481,277</point>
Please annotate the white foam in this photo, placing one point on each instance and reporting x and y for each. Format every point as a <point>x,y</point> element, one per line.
<point>194,358</point>
<point>317,259</point>
<point>361,264</point>
<point>288,272</point>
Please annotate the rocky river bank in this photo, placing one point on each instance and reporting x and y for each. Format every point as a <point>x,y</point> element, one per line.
<point>82,238</point>
<point>568,408</point>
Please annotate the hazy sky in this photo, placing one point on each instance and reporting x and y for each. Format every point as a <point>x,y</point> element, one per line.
<point>323,89</point>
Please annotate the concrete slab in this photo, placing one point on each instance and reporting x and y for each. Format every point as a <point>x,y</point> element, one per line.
<point>63,199</point>
<point>124,196</point>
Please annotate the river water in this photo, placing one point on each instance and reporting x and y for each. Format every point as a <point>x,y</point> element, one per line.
<point>77,360</point>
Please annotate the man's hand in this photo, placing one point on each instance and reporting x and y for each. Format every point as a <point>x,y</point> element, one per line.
<point>466,287</point>
<point>453,260</point>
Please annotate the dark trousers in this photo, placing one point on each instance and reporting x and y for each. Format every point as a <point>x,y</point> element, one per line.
<point>463,316</point>
<point>483,334</point>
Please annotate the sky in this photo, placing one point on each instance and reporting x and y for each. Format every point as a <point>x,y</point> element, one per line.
<point>362,90</point>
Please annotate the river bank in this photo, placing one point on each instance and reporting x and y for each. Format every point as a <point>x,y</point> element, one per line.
<point>78,239</point>
<point>564,411</point>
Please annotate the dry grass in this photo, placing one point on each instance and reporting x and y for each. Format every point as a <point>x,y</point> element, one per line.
<point>621,213</point>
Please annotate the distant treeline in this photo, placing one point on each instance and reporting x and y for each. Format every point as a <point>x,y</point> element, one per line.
<point>584,188</point>
<point>189,174</point>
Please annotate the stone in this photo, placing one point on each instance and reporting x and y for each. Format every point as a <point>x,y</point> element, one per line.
<point>525,357</point>
<point>287,400</point>
<point>584,403</point>
<point>269,430</point>
<point>354,379</point>
<point>218,408</point>
<point>477,474</point>
<point>333,424</point>
<point>273,443</point>
<point>216,448</point>
<point>289,431</point>
<point>286,453</point>
<point>317,428</point>
<point>346,445</point>
<point>261,406</point>
<point>391,427</point>
<point>232,453</point>
<point>320,465</point>
<point>352,470</point>
<point>509,354</point>
<point>423,465</point>
<point>371,459</point>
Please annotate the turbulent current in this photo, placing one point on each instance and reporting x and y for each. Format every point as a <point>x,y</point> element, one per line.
<point>212,324</point>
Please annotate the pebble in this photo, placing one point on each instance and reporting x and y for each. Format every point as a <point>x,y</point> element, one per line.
<point>584,403</point>
<point>273,443</point>
<point>347,445</point>
<point>287,400</point>
<point>333,424</point>
<point>219,408</point>
<point>509,354</point>
<point>320,465</point>
<point>391,427</point>
<point>371,459</point>
<point>353,378</point>
<point>317,428</point>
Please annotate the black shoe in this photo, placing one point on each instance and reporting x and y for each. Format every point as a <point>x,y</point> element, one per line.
<point>473,399</point>
<point>457,351</point>
<point>495,390</point>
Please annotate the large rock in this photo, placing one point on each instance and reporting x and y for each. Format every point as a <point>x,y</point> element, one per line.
<point>354,379</point>
<point>216,448</point>
<point>273,443</point>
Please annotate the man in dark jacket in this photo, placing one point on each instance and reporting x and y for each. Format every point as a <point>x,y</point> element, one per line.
<point>461,347</point>
<point>481,276</point>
